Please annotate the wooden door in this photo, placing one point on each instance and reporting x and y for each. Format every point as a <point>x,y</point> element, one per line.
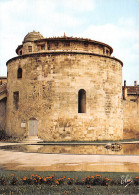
<point>33,127</point>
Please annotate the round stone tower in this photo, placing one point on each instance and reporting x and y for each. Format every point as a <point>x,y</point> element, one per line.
<point>64,88</point>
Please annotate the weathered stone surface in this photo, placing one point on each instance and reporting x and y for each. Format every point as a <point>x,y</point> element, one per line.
<point>131,117</point>
<point>48,91</point>
<point>131,110</point>
<point>2,114</point>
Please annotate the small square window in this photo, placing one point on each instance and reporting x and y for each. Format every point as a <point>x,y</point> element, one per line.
<point>30,48</point>
<point>56,43</point>
<point>42,47</point>
<point>67,43</point>
<point>86,44</point>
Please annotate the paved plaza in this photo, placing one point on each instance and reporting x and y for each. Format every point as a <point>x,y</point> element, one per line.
<point>12,160</point>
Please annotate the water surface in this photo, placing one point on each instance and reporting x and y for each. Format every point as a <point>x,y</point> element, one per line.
<point>127,149</point>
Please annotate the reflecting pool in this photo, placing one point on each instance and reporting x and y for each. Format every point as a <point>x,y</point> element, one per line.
<point>89,149</point>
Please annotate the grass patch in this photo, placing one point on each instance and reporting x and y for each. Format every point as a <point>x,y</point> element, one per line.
<point>37,182</point>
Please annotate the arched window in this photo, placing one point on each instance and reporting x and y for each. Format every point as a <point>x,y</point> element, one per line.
<point>19,73</point>
<point>82,101</point>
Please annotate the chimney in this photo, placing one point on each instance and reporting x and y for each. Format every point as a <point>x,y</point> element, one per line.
<point>65,34</point>
<point>124,83</point>
<point>124,91</point>
<point>135,83</point>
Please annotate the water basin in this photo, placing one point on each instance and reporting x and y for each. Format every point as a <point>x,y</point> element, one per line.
<point>91,149</point>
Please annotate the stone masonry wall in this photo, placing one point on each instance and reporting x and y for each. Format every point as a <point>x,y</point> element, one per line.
<point>131,118</point>
<point>2,114</point>
<point>65,45</point>
<point>48,92</point>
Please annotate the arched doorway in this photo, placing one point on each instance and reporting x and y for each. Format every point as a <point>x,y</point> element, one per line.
<point>33,127</point>
<point>82,101</point>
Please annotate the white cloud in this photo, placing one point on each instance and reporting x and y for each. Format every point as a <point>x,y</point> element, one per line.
<point>136,46</point>
<point>54,17</point>
<point>125,41</point>
<point>111,33</point>
<point>127,21</point>
<point>79,5</point>
<point>50,17</point>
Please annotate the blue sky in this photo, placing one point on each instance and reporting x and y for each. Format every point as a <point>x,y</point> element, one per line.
<point>114,22</point>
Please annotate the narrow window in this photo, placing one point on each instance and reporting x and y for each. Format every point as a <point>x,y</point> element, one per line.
<point>48,46</point>
<point>19,73</point>
<point>82,101</point>
<point>20,52</point>
<point>30,48</point>
<point>16,99</point>
<point>107,52</point>
<point>104,50</point>
<point>86,46</point>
